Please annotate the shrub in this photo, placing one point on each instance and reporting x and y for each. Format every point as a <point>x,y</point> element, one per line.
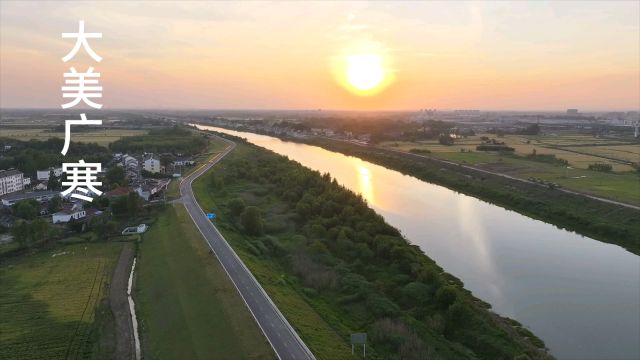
<point>446,296</point>
<point>236,206</point>
<point>251,220</point>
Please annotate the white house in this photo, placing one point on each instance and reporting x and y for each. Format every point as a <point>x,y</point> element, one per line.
<point>11,181</point>
<point>43,175</point>
<point>152,165</point>
<point>64,216</point>
<point>184,162</point>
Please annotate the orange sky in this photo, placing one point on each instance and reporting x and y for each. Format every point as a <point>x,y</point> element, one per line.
<point>484,55</point>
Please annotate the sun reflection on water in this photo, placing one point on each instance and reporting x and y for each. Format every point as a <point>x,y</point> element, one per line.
<point>365,185</point>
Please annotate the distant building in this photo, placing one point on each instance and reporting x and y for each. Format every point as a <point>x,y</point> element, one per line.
<point>65,215</point>
<point>129,162</point>
<point>572,111</point>
<point>39,196</point>
<point>150,187</point>
<point>184,162</point>
<point>11,181</point>
<point>43,175</point>
<point>152,165</point>
<point>41,186</point>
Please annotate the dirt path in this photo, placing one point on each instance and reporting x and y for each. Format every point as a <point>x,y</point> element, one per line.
<point>125,344</point>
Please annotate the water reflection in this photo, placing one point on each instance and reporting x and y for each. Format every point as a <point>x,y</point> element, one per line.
<point>365,187</point>
<point>472,229</point>
<point>581,296</point>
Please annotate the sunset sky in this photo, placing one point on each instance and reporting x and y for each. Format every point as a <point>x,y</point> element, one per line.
<point>293,55</point>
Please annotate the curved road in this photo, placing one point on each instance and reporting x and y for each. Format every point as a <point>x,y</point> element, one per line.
<point>283,339</point>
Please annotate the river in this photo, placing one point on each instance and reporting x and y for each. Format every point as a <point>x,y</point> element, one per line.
<point>581,296</point>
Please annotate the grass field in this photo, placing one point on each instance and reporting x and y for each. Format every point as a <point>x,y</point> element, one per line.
<point>49,302</point>
<point>102,137</point>
<point>622,184</point>
<point>321,332</point>
<point>186,304</point>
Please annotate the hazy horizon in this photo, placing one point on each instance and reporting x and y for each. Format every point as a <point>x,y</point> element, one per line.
<point>491,56</point>
<point>160,109</point>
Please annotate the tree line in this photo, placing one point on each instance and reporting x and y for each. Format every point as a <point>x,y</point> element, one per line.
<point>344,253</point>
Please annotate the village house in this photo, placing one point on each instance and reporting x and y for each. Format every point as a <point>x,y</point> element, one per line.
<point>39,196</point>
<point>151,187</point>
<point>69,212</point>
<point>151,165</point>
<point>184,162</point>
<point>43,175</point>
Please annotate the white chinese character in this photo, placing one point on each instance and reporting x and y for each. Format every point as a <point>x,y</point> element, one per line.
<point>79,90</point>
<point>82,178</point>
<point>81,40</point>
<point>67,129</point>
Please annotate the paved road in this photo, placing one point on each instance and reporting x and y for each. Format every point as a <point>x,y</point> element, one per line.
<point>283,338</point>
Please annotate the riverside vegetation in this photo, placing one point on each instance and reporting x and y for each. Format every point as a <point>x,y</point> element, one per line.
<point>333,267</point>
<point>603,221</point>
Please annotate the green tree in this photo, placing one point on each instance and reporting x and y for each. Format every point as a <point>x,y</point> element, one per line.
<point>415,293</point>
<point>458,313</point>
<point>115,176</point>
<point>101,202</point>
<point>445,296</point>
<point>251,220</point>
<point>26,209</point>
<point>102,226</point>
<point>39,230</point>
<point>20,233</point>
<point>134,204</point>
<point>55,204</point>
<point>119,206</point>
<point>445,139</point>
<point>236,206</point>
<point>54,182</point>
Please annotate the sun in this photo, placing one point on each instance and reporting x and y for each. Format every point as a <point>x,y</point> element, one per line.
<point>364,72</point>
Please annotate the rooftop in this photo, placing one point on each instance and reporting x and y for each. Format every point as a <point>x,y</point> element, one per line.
<point>29,195</point>
<point>5,173</point>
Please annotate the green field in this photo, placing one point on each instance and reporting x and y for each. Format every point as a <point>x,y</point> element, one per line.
<point>102,137</point>
<point>49,303</point>
<point>186,304</point>
<point>622,184</point>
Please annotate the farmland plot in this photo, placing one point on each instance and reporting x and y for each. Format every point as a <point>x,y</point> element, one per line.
<point>48,301</point>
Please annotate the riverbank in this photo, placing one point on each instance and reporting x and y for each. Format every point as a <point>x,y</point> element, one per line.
<point>333,273</point>
<point>599,220</point>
